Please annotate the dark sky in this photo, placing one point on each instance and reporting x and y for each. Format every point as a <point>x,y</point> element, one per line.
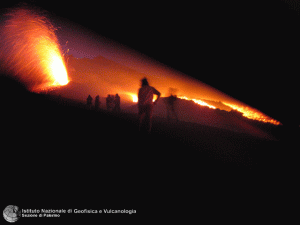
<point>246,49</point>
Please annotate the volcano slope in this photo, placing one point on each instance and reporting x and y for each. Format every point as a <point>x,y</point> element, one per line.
<point>189,111</point>
<point>75,154</point>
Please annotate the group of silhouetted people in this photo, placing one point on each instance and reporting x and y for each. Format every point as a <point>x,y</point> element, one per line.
<point>145,105</point>
<point>89,102</point>
<point>113,103</point>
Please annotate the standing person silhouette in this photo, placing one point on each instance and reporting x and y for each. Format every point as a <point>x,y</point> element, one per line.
<point>171,112</point>
<point>97,102</point>
<point>109,102</point>
<point>145,104</point>
<point>117,102</point>
<point>89,102</point>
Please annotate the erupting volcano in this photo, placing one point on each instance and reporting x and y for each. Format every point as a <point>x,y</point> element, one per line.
<point>30,50</point>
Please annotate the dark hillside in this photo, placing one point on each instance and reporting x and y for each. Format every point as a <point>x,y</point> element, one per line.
<point>60,152</point>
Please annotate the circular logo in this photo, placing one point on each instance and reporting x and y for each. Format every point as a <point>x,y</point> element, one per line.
<point>11,213</point>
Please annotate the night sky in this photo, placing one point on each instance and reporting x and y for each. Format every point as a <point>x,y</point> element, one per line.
<point>248,50</point>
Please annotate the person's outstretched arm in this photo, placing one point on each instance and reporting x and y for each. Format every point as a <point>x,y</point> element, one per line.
<point>156,92</point>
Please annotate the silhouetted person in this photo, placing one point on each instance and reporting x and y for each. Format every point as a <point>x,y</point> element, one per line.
<point>97,102</point>
<point>145,104</point>
<point>109,102</point>
<point>117,102</point>
<point>170,104</point>
<point>89,102</point>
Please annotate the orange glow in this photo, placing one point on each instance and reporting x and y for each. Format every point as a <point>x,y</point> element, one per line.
<point>134,98</point>
<point>253,114</point>
<point>197,101</point>
<point>53,63</point>
<point>248,112</point>
<point>121,71</point>
<point>31,50</point>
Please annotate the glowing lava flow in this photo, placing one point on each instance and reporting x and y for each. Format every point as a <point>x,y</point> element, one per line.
<point>30,50</point>
<point>246,111</point>
<point>199,102</point>
<point>134,97</point>
<point>253,114</point>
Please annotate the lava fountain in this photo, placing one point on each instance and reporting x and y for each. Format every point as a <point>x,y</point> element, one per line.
<point>30,50</point>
